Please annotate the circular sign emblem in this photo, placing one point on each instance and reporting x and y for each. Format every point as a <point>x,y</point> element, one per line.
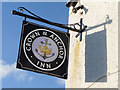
<point>44,49</point>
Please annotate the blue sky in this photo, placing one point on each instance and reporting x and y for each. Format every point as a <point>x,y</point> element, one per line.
<point>11,31</point>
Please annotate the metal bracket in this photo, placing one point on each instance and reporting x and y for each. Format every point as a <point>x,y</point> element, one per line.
<point>82,29</point>
<point>37,18</point>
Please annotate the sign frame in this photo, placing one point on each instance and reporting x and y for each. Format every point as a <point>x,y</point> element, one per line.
<point>24,63</point>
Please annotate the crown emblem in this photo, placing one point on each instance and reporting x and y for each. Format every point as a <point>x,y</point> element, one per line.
<point>46,52</point>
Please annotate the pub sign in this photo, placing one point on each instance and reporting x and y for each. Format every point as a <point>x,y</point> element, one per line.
<point>43,50</point>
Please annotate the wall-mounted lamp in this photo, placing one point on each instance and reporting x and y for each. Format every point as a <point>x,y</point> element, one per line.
<point>73,4</point>
<point>74,10</point>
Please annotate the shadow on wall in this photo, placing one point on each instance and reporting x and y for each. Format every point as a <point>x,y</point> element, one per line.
<point>96,55</point>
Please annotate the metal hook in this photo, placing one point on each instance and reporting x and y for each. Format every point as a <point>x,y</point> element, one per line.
<point>25,18</point>
<point>20,10</point>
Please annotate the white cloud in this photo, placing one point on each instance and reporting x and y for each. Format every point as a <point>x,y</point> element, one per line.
<point>61,81</point>
<point>20,75</point>
<point>30,79</point>
<point>11,70</point>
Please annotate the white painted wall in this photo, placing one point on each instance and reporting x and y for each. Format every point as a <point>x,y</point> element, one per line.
<point>97,54</point>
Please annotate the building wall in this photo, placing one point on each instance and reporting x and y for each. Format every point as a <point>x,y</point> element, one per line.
<point>96,56</point>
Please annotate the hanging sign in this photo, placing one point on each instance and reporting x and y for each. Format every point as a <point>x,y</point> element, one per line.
<point>43,50</point>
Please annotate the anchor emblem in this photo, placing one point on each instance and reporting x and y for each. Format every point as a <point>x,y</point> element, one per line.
<point>45,50</point>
